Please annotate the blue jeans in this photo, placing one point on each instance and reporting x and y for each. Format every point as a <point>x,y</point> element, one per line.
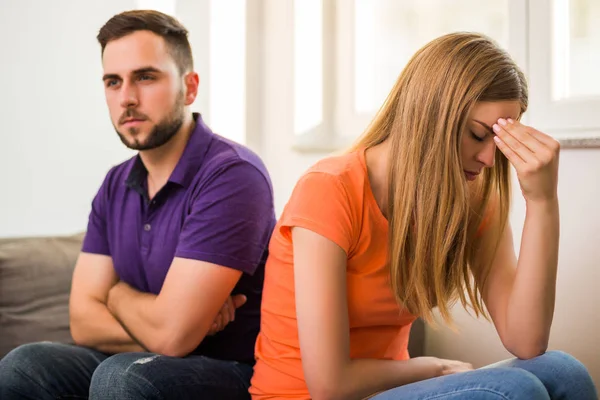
<point>56,371</point>
<point>554,375</point>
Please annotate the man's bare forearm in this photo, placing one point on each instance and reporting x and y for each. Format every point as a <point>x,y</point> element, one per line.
<point>137,314</point>
<point>94,326</point>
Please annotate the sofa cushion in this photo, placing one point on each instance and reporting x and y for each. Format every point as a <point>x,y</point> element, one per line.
<point>35,280</point>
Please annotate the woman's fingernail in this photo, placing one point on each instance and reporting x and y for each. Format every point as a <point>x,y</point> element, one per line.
<point>496,128</point>
<point>510,120</point>
<point>496,139</point>
<point>502,121</point>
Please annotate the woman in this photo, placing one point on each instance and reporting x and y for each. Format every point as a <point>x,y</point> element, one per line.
<point>412,218</point>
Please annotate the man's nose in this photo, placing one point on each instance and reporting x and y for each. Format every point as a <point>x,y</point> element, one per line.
<point>128,95</point>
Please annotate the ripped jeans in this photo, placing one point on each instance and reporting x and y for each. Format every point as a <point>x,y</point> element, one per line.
<point>56,371</point>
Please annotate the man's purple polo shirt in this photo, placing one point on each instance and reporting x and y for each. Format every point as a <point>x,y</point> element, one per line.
<point>217,207</point>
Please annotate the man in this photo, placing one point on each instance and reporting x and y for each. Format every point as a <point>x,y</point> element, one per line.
<point>176,241</point>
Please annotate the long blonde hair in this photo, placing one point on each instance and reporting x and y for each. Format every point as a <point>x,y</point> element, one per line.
<point>433,218</point>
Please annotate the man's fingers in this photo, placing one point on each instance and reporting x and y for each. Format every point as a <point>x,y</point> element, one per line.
<point>238,300</point>
<point>227,312</point>
<point>219,320</point>
<point>213,329</point>
<point>230,308</point>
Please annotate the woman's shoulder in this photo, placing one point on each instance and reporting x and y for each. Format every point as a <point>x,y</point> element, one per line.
<point>347,167</point>
<point>328,199</point>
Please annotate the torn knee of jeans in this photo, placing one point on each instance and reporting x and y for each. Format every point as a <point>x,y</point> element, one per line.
<point>145,360</point>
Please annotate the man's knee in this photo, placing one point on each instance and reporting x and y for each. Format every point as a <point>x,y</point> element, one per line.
<point>124,375</point>
<point>28,358</point>
<point>25,365</point>
<point>151,376</point>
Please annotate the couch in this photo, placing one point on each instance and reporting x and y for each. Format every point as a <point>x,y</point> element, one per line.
<point>35,279</point>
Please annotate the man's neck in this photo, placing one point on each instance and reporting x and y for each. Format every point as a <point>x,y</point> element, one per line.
<point>161,162</point>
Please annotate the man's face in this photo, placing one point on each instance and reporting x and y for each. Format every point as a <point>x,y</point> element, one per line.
<point>145,93</point>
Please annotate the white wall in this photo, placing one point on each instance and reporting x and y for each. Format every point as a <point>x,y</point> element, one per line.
<point>57,141</point>
<point>577,320</point>
<point>284,164</point>
<point>56,135</point>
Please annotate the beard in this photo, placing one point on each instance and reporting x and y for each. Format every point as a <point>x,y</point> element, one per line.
<point>161,133</point>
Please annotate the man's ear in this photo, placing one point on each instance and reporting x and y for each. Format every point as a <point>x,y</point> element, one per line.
<point>191,81</point>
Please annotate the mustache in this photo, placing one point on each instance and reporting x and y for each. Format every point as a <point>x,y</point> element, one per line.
<point>129,114</point>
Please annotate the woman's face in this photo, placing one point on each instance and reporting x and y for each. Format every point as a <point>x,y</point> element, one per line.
<point>478,146</point>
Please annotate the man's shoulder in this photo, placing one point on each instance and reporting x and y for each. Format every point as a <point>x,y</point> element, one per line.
<point>117,175</point>
<point>225,154</point>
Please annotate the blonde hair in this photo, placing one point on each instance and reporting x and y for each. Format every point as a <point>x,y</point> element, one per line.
<point>433,215</point>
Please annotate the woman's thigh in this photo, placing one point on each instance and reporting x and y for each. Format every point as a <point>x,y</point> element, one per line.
<point>493,383</point>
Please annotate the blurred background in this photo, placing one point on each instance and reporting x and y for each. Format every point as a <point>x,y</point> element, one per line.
<point>296,80</point>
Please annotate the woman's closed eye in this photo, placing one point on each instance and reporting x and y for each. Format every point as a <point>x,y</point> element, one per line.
<point>477,137</point>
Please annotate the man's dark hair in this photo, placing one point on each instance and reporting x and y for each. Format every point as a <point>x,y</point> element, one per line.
<point>171,30</point>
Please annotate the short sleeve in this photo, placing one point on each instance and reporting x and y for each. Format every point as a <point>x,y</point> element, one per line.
<point>96,237</point>
<point>320,203</point>
<point>231,219</point>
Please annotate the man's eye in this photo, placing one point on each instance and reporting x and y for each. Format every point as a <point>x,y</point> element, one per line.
<point>111,82</point>
<point>146,78</point>
<point>479,139</point>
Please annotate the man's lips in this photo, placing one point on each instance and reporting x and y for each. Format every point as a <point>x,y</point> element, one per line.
<point>132,121</point>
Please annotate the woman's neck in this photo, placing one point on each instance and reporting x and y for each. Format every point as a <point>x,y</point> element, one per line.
<point>377,160</point>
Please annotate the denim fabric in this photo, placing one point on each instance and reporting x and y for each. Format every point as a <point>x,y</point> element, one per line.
<point>41,371</point>
<point>554,375</point>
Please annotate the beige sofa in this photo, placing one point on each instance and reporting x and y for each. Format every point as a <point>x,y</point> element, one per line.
<point>35,279</point>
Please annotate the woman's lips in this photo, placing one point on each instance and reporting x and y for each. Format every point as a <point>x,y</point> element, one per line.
<point>471,176</point>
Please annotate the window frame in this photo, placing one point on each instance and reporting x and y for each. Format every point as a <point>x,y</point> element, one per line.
<point>530,24</point>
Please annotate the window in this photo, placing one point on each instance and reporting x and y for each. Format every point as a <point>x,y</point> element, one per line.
<point>308,65</point>
<point>227,71</point>
<point>348,54</point>
<point>564,85</point>
<point>219,39</point>
<point>388,32</point>
<point>576,55</point>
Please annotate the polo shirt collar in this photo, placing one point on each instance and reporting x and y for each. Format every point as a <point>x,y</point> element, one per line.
<point>187,166</point>
<point>194,153</point>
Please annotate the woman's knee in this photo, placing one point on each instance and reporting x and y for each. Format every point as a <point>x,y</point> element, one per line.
<point>516,384</point>
<point>563,361</point>
<point>565,367</point>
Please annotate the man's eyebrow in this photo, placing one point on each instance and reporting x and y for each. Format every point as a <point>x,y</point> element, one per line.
<point>486,126</point>
<point>145,70</point>
<point>139,71</point>
<point>110,76</point>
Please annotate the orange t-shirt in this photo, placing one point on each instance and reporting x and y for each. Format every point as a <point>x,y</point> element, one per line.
<point>333,199</point>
